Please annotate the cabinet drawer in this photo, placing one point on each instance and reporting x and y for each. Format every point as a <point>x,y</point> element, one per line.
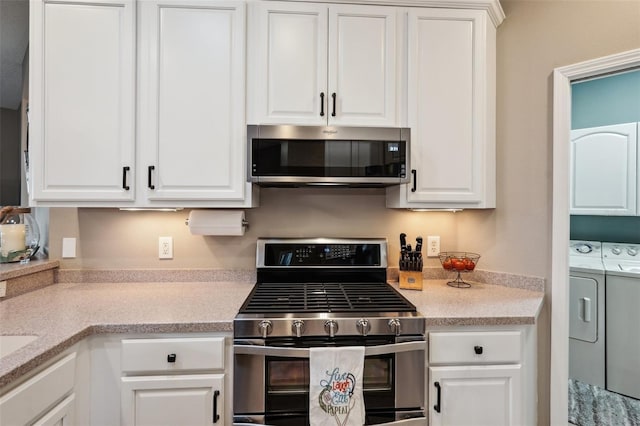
<point>27,401</point>
<point>475,347</point>
<point>197,353</point>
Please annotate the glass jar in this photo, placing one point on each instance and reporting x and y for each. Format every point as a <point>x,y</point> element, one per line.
<point>19,235</point>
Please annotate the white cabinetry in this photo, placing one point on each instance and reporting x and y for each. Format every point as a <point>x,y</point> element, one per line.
<point>604,170</point>
<point>169,381</point>
<point>82,100</point>
<point>190,88</point>
<point>191,106</point>
<point>481,377</point>
<point>46,398</point>
<point>451,110</point>
<point>320,64</point>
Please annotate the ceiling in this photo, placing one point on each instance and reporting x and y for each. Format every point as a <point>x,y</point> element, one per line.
<point>14,39</point>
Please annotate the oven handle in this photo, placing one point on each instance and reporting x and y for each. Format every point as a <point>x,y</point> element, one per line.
<point>287,352</point>
<point>417,421</point>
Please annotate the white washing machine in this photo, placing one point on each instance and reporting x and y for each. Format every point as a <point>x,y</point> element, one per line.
<point>586,312</point>
<point>622,268</point>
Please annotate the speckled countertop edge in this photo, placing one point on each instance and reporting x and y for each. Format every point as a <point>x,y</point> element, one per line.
<point>63,314</point>
<point>16,269</point>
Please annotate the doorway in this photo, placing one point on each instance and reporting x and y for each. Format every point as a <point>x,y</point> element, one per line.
<point>562,79</point>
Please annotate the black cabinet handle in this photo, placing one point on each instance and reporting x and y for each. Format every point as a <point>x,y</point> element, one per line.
<point>149,176</point>
<point>333,113</point>
<point>437,406</point>
<point>414,172</point>
<point>321,104</point>
<point>125,169</point>
<point>478,350</point>
<point>171,358</point>
<point>216,416</point>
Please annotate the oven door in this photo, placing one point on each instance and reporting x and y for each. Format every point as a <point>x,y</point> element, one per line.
<point>278,377</point>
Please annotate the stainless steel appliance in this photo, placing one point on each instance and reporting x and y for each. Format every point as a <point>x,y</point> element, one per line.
<point>313,155</point>
<point>326,292</point>
<point>622,269</point>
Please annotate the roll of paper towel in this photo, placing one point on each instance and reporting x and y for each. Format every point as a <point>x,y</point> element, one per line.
<point>217,222</point>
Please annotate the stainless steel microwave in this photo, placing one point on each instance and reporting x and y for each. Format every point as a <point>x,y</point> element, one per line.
<point>282,155</point>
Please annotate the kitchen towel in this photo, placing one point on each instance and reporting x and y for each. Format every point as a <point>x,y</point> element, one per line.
<point>335,386</point>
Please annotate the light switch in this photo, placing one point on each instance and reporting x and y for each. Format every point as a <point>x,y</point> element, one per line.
<point>68,248</point>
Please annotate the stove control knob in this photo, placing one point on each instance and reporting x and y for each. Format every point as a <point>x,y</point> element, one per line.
<point>363,326</point>
<point>632,251</point>
<point>297,328</point>
<point>331,327</point>
<point>616,250</point>
<point>265,328</point>
<point>394,326</point>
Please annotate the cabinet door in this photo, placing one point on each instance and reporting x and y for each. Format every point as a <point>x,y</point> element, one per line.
<point>475,395</point>
<point>604,170</point>
<point>288,63</point>
<point>451,110</point>
<point>81,125</point>
<point>191,85</point>
<point>362,65</point>
<point>173,400</point>
<point>60,415</point>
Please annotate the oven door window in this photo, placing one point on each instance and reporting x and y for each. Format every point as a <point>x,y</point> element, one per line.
<point>287,375</point>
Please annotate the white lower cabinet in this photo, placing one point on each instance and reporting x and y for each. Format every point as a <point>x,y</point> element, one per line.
<point>62,414</point>
<point>195,399</point>
<point>476,395</point>
<point>171,381</point>
<point>47,395</point>
<point>161,379</point>
<point>482,378</point>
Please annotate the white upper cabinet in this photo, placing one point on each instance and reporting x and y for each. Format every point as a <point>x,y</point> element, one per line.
<point>604,170</point>
<point>451,111</point>
<point>191,106</point>
<point>82,100</point>
<point>319,64</point>
<point>161,79</point>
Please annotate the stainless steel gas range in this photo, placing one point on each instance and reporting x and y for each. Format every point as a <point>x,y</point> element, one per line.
<point>326,292</point>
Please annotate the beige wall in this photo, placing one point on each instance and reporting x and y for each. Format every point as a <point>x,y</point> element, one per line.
<point>536,37</point>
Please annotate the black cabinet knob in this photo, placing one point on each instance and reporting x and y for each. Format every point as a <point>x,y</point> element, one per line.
<point>171,358</point>
<point>478,350</point>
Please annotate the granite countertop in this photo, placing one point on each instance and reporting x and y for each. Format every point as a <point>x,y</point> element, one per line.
<point>65,313</point>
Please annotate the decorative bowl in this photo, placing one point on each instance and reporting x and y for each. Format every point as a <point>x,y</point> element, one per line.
<point>459,261</point>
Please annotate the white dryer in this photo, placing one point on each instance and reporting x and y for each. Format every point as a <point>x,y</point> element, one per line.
<point>586,313</point>
<point>622,265</point>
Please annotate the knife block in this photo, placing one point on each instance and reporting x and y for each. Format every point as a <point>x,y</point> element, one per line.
<point>411,280</point>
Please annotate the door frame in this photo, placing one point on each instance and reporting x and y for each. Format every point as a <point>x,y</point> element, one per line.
<point>562,79</point>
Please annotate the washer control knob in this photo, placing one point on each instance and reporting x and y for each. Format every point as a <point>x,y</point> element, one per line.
<point>616,250</point>
<point>331,327</point>
<point>265,328</point>
<point>632,251</point>
<point>297,328</point>
<point>394,326</point>
<point>363,326</point>
<point>584,248</point>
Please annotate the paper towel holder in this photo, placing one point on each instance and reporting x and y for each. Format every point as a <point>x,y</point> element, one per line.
<point>217,222</point>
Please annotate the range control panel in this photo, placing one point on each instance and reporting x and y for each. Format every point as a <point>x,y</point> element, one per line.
<point>321,253</point>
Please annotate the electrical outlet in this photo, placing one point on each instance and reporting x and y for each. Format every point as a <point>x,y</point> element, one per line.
<point>165,248</point>
<point>433,246</point>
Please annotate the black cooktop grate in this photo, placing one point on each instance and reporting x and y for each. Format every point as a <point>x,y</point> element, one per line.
<point>325,297</point>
